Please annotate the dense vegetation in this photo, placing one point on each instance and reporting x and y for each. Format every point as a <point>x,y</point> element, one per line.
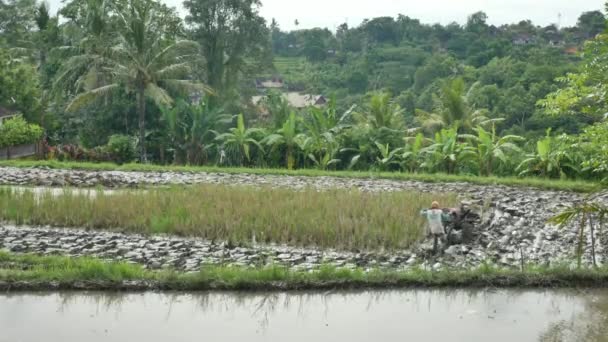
<point>111,80</point>
<point>332,219</point>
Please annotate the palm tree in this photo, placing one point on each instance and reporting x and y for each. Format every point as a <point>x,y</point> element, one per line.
<point>286,136</point>
<point>142,60</point>
<point>491,147</point>
<point>240,139</point>
<point>382,113</point>
<point>453,108</point>
<point>585,212</point>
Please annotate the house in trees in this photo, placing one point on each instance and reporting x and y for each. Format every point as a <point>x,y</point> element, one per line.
<point>296,100</point>
<point>524,39</point>
<point>18,151</point>
<point>273,83</point>
<point>6,114</point>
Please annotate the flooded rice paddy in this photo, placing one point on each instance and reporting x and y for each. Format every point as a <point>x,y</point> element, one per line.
<point>412,315</point>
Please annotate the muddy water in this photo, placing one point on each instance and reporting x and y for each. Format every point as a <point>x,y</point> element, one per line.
<point>413,315</point>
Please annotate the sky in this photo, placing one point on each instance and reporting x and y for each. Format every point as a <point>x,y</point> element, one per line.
<point>331,13</point>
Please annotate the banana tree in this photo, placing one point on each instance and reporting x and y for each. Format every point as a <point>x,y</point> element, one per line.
<point>548,160</point>
<point>387,156</point>
<point>324,155</point>
<point>190,129</point>
<point>490,147</point>
<point>239,141</point>
<point>448,153</point>
<point>286,137</point>
<point>413,153</point>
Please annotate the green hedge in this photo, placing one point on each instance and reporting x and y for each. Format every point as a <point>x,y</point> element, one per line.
<point>17,131</point>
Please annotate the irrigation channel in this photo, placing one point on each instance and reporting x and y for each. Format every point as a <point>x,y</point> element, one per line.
<point>413,315</point>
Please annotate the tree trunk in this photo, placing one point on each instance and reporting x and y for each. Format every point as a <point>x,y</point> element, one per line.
<point>141,109</point>
<point>289,156</point>
<point>581,236</point>
<point>592,229</point>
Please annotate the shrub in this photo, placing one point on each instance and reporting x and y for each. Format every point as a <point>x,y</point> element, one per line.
<point>121,148</point>
<point>18,132</point>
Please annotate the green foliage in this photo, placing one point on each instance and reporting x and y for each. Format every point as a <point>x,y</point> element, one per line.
<point>122,148</point>
<point>226,40</point>
<point>190,130</point>
<point>19,87</point>
<point>119,66</point>
<point>493,150</point>
<point>144,59</point>
<point>549,159</point>
<point>448,153</point>
<point>239,141</point>
<point>592,214</point>
<point>17,131</point>
<point>286,137</point>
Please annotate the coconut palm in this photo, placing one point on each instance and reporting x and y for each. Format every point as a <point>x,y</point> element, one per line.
<point>141,59</point>
<point>453,108</point>
<point>240,139</point>
<point>382,113</point>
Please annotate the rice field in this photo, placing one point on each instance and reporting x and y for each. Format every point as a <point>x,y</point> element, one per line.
<point>340,218</point>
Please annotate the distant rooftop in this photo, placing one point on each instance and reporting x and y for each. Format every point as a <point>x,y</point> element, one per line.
<point>297,100</point>
<point>5,112</point>
<point>274,83</point>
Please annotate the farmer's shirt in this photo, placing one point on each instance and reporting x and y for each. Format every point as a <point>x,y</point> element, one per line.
<point>435,218</point>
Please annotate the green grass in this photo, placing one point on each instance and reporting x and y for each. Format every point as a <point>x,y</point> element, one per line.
<point>288,65</point>
<point>40,272</point>
<point>343,219</point>
<point>541,183</point>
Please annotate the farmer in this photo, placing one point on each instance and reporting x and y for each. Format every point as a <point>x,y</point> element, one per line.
<point>436,218</point>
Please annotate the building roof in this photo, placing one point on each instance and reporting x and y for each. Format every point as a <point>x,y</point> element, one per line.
<point>271,84</point>
<point>297,100</point>
<point>5,112</point>
<point>274,83</point>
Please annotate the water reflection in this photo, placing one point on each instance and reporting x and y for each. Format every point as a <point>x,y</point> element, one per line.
<point>590,325</point>
<point>415,315</point>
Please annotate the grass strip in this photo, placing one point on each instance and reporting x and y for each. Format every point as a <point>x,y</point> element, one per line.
<point>337,218</point>
<point>27,272</point>
<point>582,186</point>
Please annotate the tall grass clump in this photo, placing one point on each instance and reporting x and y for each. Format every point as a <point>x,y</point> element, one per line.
<point>343,219</point>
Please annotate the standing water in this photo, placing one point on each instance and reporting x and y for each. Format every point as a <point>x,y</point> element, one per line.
<point>412,315</point>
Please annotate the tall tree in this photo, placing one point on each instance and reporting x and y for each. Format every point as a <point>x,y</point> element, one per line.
<point>143,60</point>
<point>228,31</point>
<point>591,23</point>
